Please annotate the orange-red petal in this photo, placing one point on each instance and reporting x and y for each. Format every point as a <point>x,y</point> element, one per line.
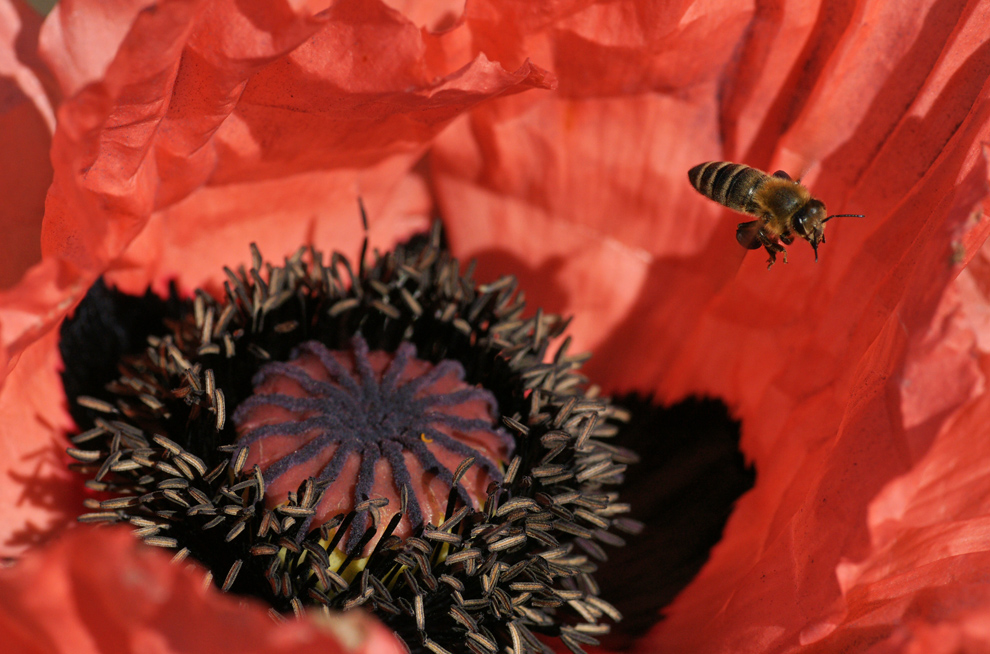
<point>39,497</point>
<point>100,590</point>
<point>169,101</point>
<point>26,123</point>
<point>922,584</point>
<point>196,94</point>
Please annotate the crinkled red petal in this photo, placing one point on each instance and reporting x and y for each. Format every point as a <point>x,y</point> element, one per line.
<point>171,107</point>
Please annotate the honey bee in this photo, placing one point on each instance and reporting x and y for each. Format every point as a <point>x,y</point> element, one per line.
<point>784,207</point>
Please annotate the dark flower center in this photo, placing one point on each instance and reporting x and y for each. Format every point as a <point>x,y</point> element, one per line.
<point>399,438</point>
<point>368,424</point>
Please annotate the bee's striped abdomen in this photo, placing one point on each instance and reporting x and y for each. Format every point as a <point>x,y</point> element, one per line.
<point>729,184</point>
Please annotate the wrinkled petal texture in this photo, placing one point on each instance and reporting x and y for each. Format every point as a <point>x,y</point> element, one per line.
<point>851,376</point>
<point>98,591</point>
<point>926,570</point>
<point>179,109</point>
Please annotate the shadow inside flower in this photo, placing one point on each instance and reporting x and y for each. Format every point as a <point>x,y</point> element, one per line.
<point>51,489</point>
<point>907,144</point>
<point>683,489</point>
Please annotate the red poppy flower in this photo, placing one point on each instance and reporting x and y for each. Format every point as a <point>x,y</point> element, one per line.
<point>185,130</point>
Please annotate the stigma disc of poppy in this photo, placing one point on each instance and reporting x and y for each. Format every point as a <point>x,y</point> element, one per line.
<point>784,208</point>
<point>394,437</point>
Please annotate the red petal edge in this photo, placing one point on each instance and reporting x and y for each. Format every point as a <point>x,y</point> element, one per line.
<point>100,590</point>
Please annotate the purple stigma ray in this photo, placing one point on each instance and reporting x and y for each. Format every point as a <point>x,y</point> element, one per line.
<point>356,413</point>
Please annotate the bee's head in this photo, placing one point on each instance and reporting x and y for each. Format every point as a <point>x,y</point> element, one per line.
<point>809,223</point>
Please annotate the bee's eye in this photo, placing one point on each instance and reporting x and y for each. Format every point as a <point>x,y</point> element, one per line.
<point>808,219</point>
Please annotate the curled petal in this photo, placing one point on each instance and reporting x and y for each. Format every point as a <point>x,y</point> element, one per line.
<point>238,91</point>
<point>173,108</point>
<point>101,590</point>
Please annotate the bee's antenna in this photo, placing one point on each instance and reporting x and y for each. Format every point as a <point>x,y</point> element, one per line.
<point>844,215</point>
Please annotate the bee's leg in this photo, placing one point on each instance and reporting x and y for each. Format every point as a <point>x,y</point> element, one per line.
<point>772,250</point>
<point>787,238</point>
<point>773,247</point>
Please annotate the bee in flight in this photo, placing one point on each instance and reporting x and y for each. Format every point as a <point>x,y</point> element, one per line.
<point>784,208</point>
